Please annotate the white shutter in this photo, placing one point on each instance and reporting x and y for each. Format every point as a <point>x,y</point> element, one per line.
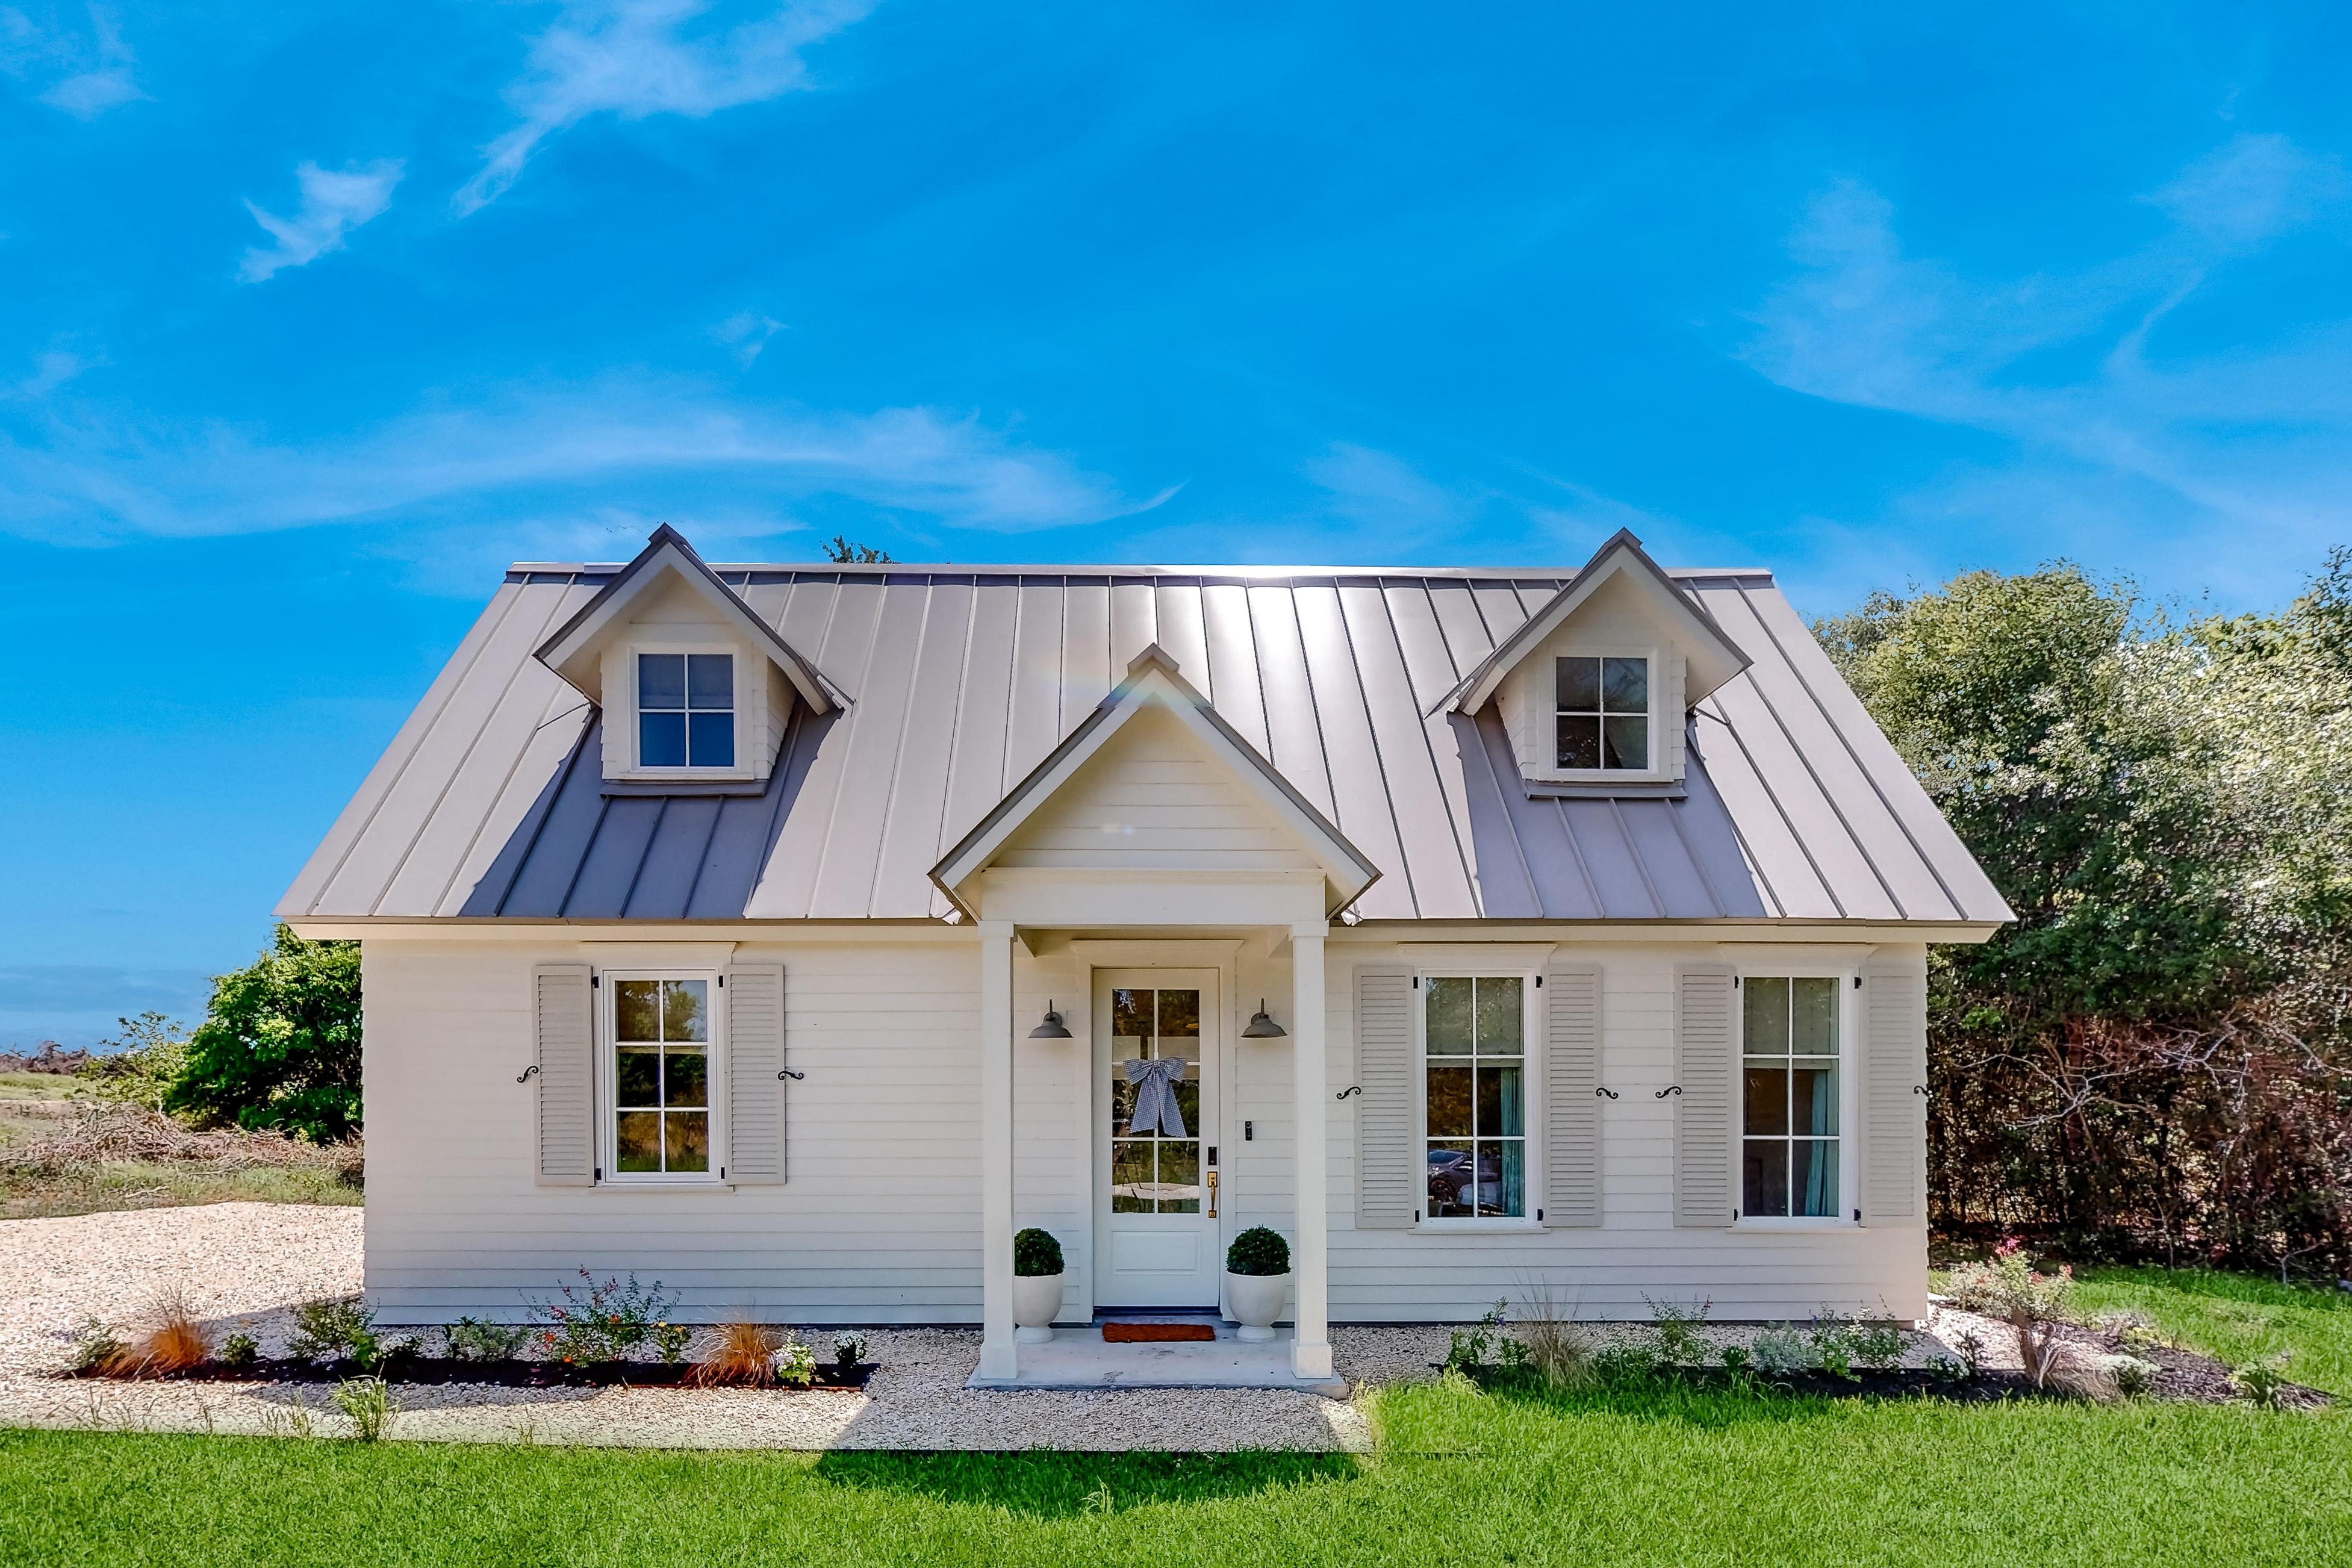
<point>1894,1115</point>
<point>1704,1140</point>
<point>755,1074</point>
<point>1386,1195</point>
<point>564,1012</point>
<point>1571,1148</point>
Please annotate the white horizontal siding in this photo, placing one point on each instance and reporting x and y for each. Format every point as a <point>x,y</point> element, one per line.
<point>879,1221</point>
<point>1153,796</point>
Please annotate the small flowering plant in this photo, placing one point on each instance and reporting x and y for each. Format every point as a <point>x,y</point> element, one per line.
<point>604,1321</point>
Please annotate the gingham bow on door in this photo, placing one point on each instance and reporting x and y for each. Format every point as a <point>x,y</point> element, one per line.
<point>1156,1109</point>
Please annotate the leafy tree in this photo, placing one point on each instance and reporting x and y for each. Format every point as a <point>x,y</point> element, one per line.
<point>144,1064</point>
<point>279,1046</point>
<point>2156,1055</point>
<point>840,549</point>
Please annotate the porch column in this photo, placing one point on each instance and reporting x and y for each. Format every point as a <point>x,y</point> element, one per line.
<point>1311,1355</point>
<point>997,1355</point>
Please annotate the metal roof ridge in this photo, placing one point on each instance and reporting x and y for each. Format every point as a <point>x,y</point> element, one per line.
<point>1137,569</point>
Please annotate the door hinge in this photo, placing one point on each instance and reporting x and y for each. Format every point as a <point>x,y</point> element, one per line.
<point>594,981</point>
<point>1416,983</point>
<point>1539,982</point>
<point>600,1173</point>
<point>1539,1217</point>
<point>1857,1216</point>
<point>722,982</point>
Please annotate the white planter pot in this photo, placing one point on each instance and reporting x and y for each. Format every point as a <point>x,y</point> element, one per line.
<point>1255,1300</point>
<point>1036,1299</point>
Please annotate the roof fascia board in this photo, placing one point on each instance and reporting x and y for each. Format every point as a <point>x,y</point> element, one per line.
<point>667,550</point>
<point>1153,678</point>
<point>1622,553</point>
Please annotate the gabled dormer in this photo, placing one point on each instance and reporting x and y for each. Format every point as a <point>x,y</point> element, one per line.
<point>1595,689</point>
<point>695,688</point>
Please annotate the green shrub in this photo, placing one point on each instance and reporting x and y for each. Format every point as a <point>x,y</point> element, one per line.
<point>795,1364</point>
<point>239,1350</point>
<point>471,1339</point>
<point>147,1060</point>
<point>2132,1376</point>
<point>602,1321</point>
<point>279,1046</point>
<point>1782,1351</point>
<point>96,1346</point>
<point>335,1330</point>
<point>670,1340</point>
<point>2263,1382</point>
<point>1258,1253</point>
<point>1678,1327</point>
<point>368,1401</point>
<point>1470,1345</point>
<point>1036,1253</point>
<point>848,1349</point>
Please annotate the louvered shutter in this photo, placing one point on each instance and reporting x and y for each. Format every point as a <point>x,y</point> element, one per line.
<point>1386,1196</point>
<point>564,1013</point>
<point>755,1075</point>
<point>1571,1148</point>
<point>1894,1117</point>
<point>1704,1142</point>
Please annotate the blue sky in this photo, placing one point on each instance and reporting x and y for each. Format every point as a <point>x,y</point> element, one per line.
<point>313,317</point>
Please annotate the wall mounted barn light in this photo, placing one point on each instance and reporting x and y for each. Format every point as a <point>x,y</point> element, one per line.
<point>1053,1029</point>
<point>1261,1027</point>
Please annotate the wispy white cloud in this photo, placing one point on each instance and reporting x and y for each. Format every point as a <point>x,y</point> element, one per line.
<point>87,76</point>
<point>2251,190</point>
<point>333,203</point>
<point>1380,490</point>
<point>2116,449</point>
<point>638,58</point>
<point>747,331</point>
<point>52,370</point>
<point>82,474</point>
<point>1408,513</point>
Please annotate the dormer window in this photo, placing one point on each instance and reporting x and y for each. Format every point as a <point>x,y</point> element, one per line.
<point>686,711</point>
<point>1601,714</point>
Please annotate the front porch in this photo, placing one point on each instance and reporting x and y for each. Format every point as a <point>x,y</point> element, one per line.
<point>1078,1357</point>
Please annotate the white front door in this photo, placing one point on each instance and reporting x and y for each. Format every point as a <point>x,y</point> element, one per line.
<point>1156,1052</point>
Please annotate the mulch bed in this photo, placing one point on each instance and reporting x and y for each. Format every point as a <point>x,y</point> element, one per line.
<point>415,1370</point>
<point>2182,1375</point>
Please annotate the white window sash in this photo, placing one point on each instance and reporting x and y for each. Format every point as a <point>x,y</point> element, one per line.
<point>1849,1022</point>
<point>608,1053</point>
<point>1532,1101</point>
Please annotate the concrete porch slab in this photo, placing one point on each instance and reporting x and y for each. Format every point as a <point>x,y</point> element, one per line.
<point>1079,1357</point>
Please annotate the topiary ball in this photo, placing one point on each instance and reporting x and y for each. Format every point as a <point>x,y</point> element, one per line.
<point>1259,1252</point>
<point>1035,1252</point>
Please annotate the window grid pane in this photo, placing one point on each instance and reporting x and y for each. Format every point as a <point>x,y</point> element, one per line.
<point>1154,1172</point>
<point>661,1077</point>
<point>1602,713</point>
<point>1475,1039</point>
<point>1789,1147</point>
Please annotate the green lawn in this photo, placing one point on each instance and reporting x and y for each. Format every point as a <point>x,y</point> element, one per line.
<point>2237,1318</point>
<point>1460,1477</point>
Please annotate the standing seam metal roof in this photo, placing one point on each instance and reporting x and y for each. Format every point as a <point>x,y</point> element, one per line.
<point>960,679</point>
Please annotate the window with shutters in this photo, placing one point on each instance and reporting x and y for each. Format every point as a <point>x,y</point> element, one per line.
<point>661,1076</point>
<point>1476,1083</point>
<point>1795,1096</point>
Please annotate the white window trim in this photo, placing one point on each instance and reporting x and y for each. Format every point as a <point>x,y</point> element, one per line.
<point>608,991</point>
<point>1849,1097</point>
<point>636,770</point>
<point>1547,685</point>
<point>1531,1097</point>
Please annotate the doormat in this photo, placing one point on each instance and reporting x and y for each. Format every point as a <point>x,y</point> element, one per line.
<point>1153,1333</point>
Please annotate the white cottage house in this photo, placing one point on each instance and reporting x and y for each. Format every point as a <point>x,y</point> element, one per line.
<point>797,934</point>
